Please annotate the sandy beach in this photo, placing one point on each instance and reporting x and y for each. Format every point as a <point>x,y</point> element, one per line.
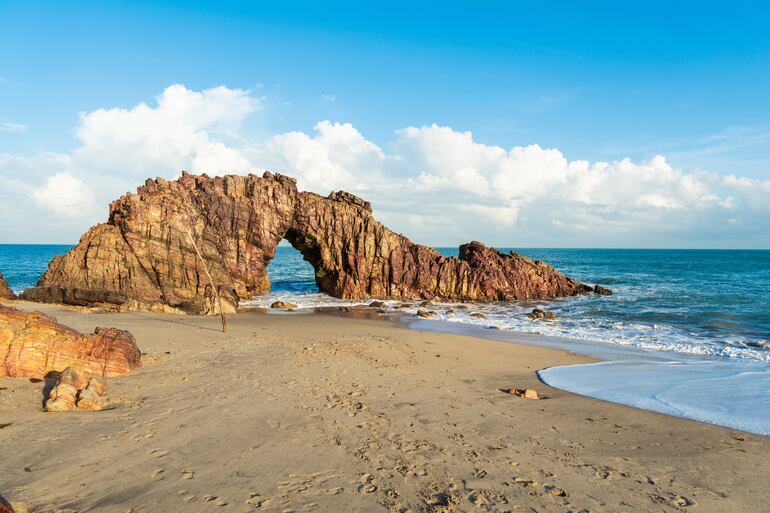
<point>321,412</point>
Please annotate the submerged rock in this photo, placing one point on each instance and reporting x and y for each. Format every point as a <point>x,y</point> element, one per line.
<point>199,242</point>
<point>478,315</point>
<point>602,291</point>
<point>33,344</point>
<point>541,314</point>
<point>5,290</point>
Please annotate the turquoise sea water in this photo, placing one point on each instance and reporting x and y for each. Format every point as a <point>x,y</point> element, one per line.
<point>707,302</point>
<point>687,331</point>
<point>691,301</point>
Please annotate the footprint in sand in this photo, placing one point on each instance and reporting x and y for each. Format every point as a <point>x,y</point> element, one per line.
<point>188,474</point>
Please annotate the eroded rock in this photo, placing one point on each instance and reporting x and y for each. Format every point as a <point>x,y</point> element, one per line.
<point>33,344</point>
<point>182,243</point>
<point>75,391</point>
<point>5,290</point>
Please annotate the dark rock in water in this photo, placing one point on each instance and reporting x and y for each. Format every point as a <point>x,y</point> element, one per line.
<point>377,304</point>
<point>198,242</point>
<point>425,314</point>
<point>478,315</point>
<point>541,314</point>
<point>5,290</point>
<point>284,305</point>
<point>602,291</point>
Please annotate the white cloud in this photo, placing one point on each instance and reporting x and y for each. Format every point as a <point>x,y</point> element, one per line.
<point>13,128</point>
<point>434,183</point>
<point>65,195</point>
<point>176,134</point>
<point>337,156</point>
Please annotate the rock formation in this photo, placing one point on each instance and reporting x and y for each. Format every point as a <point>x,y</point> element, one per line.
<point>75,391</point>
<point>5,290</point>
<point>33,344</point>
<point>161,245</point>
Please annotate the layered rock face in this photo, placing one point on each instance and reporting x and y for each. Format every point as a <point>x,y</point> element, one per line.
<point>33,344</point>
<point>5,290</point>
<point>161,245</point>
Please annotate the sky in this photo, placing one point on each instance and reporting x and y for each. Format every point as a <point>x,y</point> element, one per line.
<point>521,124</point>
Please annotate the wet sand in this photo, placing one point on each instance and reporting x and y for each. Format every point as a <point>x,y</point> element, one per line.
<point>318,412</point>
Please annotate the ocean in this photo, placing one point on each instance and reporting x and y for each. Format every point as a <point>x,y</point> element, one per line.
<point>686,332</point>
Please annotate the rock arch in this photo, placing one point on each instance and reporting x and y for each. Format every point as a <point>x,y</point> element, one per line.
<point>145,256</point>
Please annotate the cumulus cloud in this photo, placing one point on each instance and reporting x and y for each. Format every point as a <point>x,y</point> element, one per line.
<point>65,195</point>
<point>177,133</point>
<point>435,183</point>
<point>525,193</point>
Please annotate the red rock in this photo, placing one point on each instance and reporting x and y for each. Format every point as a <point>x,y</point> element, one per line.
<point>5,290</point>
<point>33,344</point>
<point>160,246</point>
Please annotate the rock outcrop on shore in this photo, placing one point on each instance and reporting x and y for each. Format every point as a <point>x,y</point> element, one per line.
<point>180,244</point>
<point>33,344</point>
<point>5,290</point>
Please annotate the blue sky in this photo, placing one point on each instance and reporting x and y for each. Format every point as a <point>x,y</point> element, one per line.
<point>599,82</point>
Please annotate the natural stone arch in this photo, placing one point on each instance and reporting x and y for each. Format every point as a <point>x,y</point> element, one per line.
<point>142,258</point>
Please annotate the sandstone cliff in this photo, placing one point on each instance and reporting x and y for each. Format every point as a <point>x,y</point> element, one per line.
<point>160,246</point>
<point>32,344</point>
<point>5,291</point>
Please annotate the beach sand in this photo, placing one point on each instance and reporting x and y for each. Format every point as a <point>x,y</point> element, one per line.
<point>309,412</point>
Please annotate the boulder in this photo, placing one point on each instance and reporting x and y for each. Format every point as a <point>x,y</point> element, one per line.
<point>478,315</point>
<point>75,391</point>
<point>602,291</point>
<point>425,314</point>
<point>377,304</point>
<point>284,305</point>
<point>195,242</point>
<point>5,290</point>
<point>33,344</point>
